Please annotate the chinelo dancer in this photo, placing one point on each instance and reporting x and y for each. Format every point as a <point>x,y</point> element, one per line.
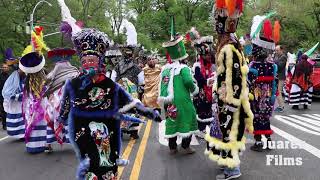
<point>226,137</point>
<point>94,106</point>
<point>203,71</point>
<point>263,84</point>
<point>56,79</point>
<point>176,85</point>
<point>12,94</point>
<point>39,133</point>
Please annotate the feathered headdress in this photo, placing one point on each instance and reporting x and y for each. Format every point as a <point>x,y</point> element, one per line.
<point>268,37</point>
<point>69,26</point>
<point>226,15</point>
<point>37,43</point>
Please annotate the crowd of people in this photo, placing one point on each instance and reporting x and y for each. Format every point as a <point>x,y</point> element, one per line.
<point>232,88</point>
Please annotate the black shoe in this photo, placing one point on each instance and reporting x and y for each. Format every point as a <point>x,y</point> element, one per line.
<point>134,135</point>
<point>296,107</point>
<point>268,140</point>
<point>257,147</point>
<point>305,106</point>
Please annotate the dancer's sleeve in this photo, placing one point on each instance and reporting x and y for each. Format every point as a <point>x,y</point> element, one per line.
<point>188,81</point>
<point>233,77</point>
<point>128,104</point>
<point>199,77</point>
<point>65,102</point>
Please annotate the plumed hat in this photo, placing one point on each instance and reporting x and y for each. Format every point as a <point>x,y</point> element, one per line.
<point>227,14</point>
<point>9,57</point>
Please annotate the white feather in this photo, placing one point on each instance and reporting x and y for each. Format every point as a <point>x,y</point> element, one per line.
<point>66,16</point>
<point>130,32</point>
<point>255,24</point>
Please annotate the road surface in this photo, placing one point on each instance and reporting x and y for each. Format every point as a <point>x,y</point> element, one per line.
<point>150,159</point>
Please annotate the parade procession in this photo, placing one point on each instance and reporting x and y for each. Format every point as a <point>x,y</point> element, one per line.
<point>160,90</point>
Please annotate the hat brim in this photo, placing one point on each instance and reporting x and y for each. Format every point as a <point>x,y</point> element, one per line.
<point>31,70</point>
<point>12,62</point>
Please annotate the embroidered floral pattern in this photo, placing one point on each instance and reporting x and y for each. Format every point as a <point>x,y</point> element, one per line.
<point>222,91</point>
<point>110,176</point>
<point>96,95</point>
<point>172,111</point>
<point>100,133</point>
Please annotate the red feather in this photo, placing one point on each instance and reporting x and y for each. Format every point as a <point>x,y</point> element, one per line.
<point>231,6</point>
<point>188,38</point>
<point>221,4</point>
<point>240,5</point>
<point>267,29</point>
<point>168,58</point>
<point>276,31</point>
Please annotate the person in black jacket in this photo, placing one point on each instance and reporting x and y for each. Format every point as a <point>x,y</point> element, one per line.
<point>281,61</point>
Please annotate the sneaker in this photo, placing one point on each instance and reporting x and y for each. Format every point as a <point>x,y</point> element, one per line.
<point>227,177</point>
<point>173,151</point>
<point>201,134</point>
<point>295,107</point>
<point>221,168</point>
<point>279,109</point>
<point>48,149</point>
<point>188,150</point>
<point>257,147</point>
<point>122,162</point>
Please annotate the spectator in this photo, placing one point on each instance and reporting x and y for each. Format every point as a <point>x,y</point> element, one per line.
<point>4,74</point>
<point>281,61</point>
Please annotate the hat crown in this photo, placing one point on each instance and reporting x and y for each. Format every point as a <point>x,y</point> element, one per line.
<point>91,42</point>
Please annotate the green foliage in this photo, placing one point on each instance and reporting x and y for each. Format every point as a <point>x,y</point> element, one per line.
<point>300,20</point>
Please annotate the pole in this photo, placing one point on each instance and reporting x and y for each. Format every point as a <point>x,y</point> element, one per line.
<point>31,17</point>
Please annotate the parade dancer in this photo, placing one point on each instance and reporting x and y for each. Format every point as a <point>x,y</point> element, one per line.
<point>203,71</point>
<point>95,105</point>
<point>151,80</point>
<point>129,71</point>
<point>39,134</point>
<point>302,88</point>
<point>226,138</point>
<point>56,79</point>
<point>263,85</point>
<point>12,94</point>
<point>176,85</point>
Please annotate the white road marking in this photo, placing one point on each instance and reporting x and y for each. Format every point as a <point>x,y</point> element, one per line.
<point>164,141</point>
<point>6,137</point>
<point>308,120</point>
<point>318,115</point>
<point>283,119</point>
<point>303,145</point>
<point>313,117</point>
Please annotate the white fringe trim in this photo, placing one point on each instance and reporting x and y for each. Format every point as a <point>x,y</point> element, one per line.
<point>129,106</point>
<point>183,135</point>
<point>205,120</point>
<point>195,65</point>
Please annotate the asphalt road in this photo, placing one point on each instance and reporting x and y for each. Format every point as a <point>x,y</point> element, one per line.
<point>150,158</point>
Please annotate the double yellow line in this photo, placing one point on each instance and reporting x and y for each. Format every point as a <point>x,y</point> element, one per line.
<point>135,172</point>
